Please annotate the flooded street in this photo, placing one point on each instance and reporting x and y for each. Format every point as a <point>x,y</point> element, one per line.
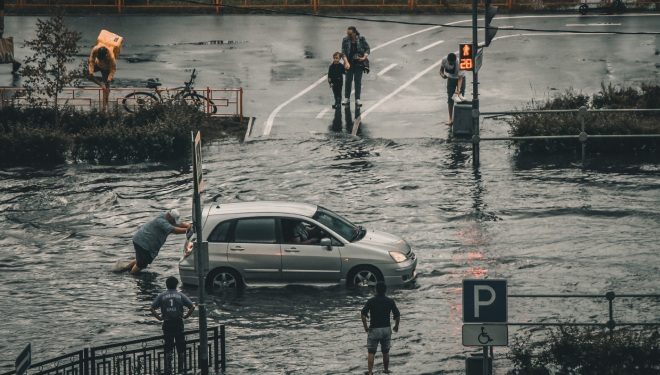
<point>545,229</point>
<point>546,226</point>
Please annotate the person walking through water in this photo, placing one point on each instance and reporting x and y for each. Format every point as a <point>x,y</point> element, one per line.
<point>356,50</point>
<point>336,78</point>
<point>455,77</point>
<point>171,304</point>
<point>378,310</point>
<point>148,240</point>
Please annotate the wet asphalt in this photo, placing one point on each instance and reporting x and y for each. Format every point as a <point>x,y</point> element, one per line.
<point>547,226</point>
<point>278,60</point>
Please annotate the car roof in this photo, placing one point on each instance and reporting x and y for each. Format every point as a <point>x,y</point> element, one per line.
<point>270,207</point>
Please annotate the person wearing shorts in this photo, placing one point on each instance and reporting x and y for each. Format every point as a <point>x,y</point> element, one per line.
<point>379,331</point>
<point>148,240</point>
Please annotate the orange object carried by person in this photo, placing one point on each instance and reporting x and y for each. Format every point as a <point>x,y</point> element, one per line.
<point>110,40</point>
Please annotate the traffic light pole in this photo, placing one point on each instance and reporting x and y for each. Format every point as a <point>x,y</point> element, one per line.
<point>475,90</point>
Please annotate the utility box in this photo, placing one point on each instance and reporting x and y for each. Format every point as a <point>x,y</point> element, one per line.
<point>462,126</point>
<point>474,365</point>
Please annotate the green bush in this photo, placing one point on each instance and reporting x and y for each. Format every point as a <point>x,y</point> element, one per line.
<point>159,133</point>
<point>612,97</point>
<point>588,351</point>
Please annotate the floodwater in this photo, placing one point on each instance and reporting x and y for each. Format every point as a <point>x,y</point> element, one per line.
<point>546,226</point>
<point>545,229</point>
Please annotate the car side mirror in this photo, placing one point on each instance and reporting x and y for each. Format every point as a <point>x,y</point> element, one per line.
<point>327,243</point>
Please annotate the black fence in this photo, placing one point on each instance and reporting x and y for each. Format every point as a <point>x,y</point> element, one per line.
<point>136,357</point>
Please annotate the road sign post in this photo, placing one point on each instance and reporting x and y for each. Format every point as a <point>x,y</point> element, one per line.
<point>485,301</point>
<point>24,360</point>
<point>201,256</point>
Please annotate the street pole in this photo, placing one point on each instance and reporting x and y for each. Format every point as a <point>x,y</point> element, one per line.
<point>485,369</point>
<point>475,90</point>
<point>2,17</point>
<point>200,258</point>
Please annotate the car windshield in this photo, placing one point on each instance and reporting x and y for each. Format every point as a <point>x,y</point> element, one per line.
<point>338,224</point>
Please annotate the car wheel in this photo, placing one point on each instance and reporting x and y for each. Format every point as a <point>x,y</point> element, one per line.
<point>584,8</point>
<point>224,279</point>
<point>364,277</point>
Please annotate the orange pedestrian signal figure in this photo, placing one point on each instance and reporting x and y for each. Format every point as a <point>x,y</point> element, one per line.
<point>466,61</point>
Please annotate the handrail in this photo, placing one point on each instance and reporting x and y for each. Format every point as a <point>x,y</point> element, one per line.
<point>610,296</point>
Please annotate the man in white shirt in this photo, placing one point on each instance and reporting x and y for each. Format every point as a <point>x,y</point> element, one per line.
<point>455,77</point>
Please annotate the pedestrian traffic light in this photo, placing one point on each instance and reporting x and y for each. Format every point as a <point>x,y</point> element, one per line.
<point>466,58</point>
<point>491,11</point>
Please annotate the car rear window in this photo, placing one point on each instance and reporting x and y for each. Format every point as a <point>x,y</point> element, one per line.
<point>257,230</point>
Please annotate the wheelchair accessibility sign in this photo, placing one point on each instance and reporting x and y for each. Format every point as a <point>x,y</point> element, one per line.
<point>485,335</point>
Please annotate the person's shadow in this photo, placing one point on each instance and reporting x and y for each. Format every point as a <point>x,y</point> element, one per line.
<point>336,125</point>
<point>352,121</point>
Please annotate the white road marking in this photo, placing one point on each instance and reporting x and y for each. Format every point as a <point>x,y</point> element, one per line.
<point>271,117</point>
<point>545,34</point>
<point>591,24</point>
<point>505,27</point>
<point>322,113</point>
<point>430,46</point>
<point>400,88</point>
<point>387,69</point>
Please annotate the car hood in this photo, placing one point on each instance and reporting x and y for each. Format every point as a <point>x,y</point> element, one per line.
<point>383,239</point>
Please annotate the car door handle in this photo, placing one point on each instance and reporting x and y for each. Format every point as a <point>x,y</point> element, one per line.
<point>236,248</point>
<point>292,250</point>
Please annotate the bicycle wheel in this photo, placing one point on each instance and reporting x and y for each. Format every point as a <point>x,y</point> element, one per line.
<point>137,101</point>
<point>200,102</point>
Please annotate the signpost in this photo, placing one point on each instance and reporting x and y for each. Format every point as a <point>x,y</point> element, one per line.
<point>201,257</point>
<point>485,335</point>
<point>485,315</point>
<point>24,360</point>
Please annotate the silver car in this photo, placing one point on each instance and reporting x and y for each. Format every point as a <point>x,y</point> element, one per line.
<point>286,242</point>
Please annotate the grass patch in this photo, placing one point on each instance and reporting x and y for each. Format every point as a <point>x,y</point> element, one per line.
<point>609,97</point>
<point>587,351</point>
<point>161,133</point>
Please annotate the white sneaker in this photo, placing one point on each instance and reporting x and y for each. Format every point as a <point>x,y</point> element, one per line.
<point>457,98</point>
<point>345,101</point>
<point>358,103</point>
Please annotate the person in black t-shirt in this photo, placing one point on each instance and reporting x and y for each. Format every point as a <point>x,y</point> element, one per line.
<point>378,309</point>
<point>171,304</point>
<point>336,78</point>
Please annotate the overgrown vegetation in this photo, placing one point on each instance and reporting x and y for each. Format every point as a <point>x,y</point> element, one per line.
<point>609,97</point>
<point>160,133</point>
<point>588,351</point>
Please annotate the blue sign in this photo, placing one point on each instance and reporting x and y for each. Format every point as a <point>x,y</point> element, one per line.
<point>24,360</point>
<point>484,301</point>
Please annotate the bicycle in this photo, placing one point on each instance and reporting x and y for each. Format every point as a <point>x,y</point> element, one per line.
<point>141,99</point>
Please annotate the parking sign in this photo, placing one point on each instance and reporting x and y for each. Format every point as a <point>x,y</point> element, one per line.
<point>484,301</point>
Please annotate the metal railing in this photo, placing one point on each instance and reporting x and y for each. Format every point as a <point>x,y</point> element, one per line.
<point>609,296</point>
<point>135,357</point>
<point>582,136</point>
<point>216,6</point>
<point>228,101</point>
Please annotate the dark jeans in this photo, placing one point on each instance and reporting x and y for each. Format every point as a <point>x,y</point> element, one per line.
<point>354,73</point>
<point>336,90</point>
<point>173,336</point>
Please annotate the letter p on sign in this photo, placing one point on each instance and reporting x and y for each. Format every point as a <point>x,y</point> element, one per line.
<point>484,301</point>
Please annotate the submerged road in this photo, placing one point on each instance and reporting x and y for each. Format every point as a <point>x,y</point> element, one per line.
<point>543,224</point>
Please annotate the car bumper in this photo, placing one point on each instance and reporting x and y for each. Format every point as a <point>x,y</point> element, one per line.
<point>400,273</point>
<point>188,276</point>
